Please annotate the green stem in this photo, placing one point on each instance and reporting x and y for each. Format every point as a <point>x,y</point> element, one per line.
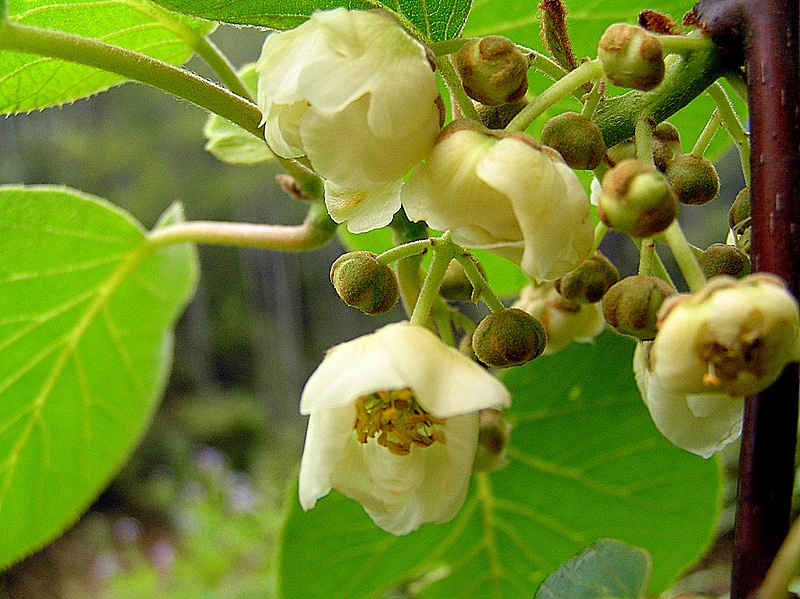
<point>681,44</point>
<point>408,269</point>
<point>593,100</point>
<point>204,47</point>
<point>316,230</point>
<point>133,65</point>
<point>686,78</point>
<point>453,83</point>
<point>406,250</point>
<point>684,256</point>
<point>707,135</point>
<point>588,71</point>
<point>446,47</point>
<point>544,64</point>
<point>433,280</point>
<point>731,122</point>
<point>784,569</point>
<point>644,141</point>
<point>478,282</point>
<point>647,250</point>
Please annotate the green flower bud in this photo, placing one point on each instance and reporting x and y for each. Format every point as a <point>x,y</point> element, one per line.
<point>631,306</point>
<point>578,140</point>
<point>666,145</point>
<point>636,199</point>
<point>509,337</point>
<point>739,215</point>
<point>622,151</point>
<point>456,285</point>
<point>631,57</point>
<point>693,178</point>
<point>724,259</point>
<point>493,70</point>
<point>497,117</point>
<point>590,281</point>
<point>364,283</point>
<point>493,438</point>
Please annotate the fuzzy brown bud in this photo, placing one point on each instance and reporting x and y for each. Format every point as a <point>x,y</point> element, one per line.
<point>364,283</point>
<point>666,145</point>
<point>631,57</point>
<point>498,117</point>
<point>739,215</point>
<point>509,337</point>
<point>493,70</point>
<point>590,281</point>
<point>636,199</point>
<point>631,306</point>
<point>724,259</point>
<point>455,284</point>
<point>493,438</point>
<point>693,178</point>
<point>579,141</point>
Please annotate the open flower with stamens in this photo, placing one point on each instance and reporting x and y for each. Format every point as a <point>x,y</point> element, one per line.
<point>731,339</point>
<point>732,336</point>
<point>394,425</point>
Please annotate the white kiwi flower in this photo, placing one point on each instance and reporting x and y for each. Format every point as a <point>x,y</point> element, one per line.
<point>356,95</point>
<point>394,422</point>
<point>504,193</point>
<point>731,339</point>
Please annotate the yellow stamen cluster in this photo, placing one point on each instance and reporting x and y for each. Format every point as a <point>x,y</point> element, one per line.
<point>744,358</point>
<point>397,420</point>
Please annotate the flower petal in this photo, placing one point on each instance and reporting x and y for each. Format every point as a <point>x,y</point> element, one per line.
<point>549,203</point>
<point>327,437</point>
<point>700,423</point>
<point>363,209</point>
<point>445,382</point>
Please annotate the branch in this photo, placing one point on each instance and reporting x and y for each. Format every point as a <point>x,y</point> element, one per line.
<point>767,32</point>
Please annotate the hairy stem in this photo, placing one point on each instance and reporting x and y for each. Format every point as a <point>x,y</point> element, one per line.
<point>317,229</point>
<point>133,65</point>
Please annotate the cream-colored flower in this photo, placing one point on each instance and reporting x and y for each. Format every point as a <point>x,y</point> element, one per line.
<point>394,425</point>
<point>702,423</point>
<point>733,337</point>
<point>564,321</point>
<point>504,193</point>
<point>355,94</point>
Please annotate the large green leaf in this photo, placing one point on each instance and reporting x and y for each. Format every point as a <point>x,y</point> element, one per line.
<point>586,463</point>
<point>430,21</point>
<point>86,316</point>
<point>29,82</point>
<point>607,569</point>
